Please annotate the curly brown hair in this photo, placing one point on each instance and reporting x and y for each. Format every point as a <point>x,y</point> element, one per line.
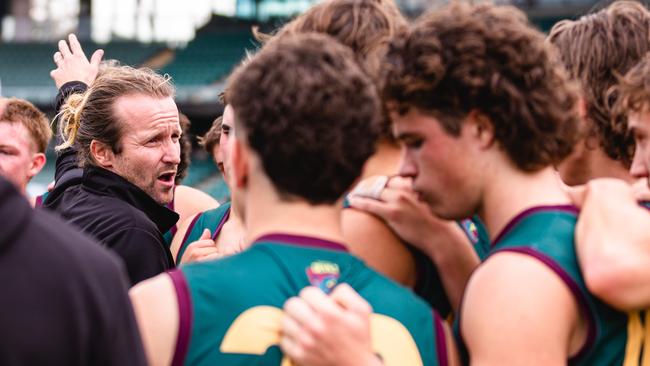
<point>486,58</point>
<point>595,49</point>
<point>366,26</point>
<point>186,148</point>
<point>633,89</point>
<point>211,138</point>
<point>311,114</point>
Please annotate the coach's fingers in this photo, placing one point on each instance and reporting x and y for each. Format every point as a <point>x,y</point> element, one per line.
<point>75,46</point>
<point>64,49</point>
<point>57,57</point>
<point>96,58</point>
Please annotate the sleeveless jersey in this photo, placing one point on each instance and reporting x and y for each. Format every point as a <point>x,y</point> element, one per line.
<point>231,309</point>
<point>547,234</point>
<point>477,235</point>
<point>211,219</point>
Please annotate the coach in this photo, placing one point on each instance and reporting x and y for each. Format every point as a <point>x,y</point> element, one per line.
<point>123,130</point>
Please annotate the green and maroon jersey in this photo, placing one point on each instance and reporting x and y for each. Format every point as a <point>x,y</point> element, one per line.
<point>213,219</point>
<point>231,309</point>
<point>546,233</point>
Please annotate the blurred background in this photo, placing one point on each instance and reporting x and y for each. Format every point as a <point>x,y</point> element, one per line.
<point>196,42</point>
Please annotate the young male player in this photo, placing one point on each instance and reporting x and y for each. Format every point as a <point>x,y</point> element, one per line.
<point>297,149</point>
<point>484,114</point>
<point>24,135</point>
<point>595,49</point>
<point>612,234</point>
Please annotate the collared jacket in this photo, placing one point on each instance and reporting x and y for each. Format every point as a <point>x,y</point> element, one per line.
<point>112,210</point>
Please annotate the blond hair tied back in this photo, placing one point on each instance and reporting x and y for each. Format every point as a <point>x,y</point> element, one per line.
<point>70,119</point>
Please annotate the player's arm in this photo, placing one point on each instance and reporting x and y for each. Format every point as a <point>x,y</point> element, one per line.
<point>613,243</point>
<point>203,249</point>
<point>179,237</point>
<point>189,201</point>
<point>371,239</point>
<point>156,309</point>
<point>443,241</point>
<point>516,311</point>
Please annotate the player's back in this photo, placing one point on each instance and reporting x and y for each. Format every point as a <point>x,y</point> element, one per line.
<point>230,310</point>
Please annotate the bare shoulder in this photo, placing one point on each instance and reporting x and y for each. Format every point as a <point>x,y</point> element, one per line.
<point>183,227</point>
<point>528,305</point>
<point>189,201</point>
<point>370,238</point>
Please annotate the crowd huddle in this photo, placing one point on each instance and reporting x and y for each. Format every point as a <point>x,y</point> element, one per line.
<point>459,188</point>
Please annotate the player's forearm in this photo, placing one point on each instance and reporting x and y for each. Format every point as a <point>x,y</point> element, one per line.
<point>616,269</point>
<point>455,259</point>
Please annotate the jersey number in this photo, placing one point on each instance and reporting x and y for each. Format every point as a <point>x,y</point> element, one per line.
<point>637,349</point>
<point>258,328</point>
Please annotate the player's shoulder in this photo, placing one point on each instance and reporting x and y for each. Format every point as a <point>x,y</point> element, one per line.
<point>385,294</point>
<point>250,265</point>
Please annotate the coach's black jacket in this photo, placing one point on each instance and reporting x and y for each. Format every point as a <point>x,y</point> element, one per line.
<point>121,216</point>
<point>112,210</point>
<point>64,299</point>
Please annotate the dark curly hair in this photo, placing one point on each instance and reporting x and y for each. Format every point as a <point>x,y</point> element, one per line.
<point>597,48</point>
<point>211,138</point>
<point>186,148</point>
<point>304,105</point>
<point>486,58</point>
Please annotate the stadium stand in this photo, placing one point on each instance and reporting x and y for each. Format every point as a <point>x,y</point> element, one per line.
<point>208,58</point>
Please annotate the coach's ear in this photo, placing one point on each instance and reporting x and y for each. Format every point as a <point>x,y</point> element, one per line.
<point>238,162</point>
<point>102,154</point>
<point>480,128</point>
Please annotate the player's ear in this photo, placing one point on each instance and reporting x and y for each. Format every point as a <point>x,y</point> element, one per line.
<point>37,163</point>
<point>480,128</point>
<point>239,163</point>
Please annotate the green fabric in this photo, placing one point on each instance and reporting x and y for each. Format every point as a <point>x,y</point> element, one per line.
<point>548,233</point>
<point>269,273</point>
<point>207,220</point>
<point>477,235</point>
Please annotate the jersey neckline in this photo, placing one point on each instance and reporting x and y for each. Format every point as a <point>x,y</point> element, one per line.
<point>568,208</point>
<point>302,240</point>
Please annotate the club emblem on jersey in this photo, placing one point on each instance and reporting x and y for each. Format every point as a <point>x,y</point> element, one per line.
<point>470,230</point>
<point>324,275</point>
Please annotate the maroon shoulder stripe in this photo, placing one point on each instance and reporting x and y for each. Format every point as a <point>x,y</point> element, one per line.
<point>187,234</point>
<point>222,222</point>
<point>519,217</point>
<point>441,339</point>
<point>575,291</point>
<point>184,317</point>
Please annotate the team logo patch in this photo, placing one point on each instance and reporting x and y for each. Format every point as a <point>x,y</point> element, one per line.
<point>324,275</point>
<point>470,230</point>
